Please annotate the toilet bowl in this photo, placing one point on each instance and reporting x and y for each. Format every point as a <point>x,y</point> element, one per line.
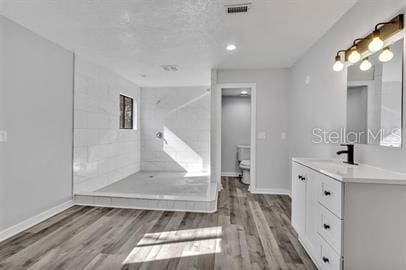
<point>244,162</point>
<point>245,168</point>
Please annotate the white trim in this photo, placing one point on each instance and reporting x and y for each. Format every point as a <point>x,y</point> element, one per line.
<point>158,205</point>
<point>148,208</point>
<point>273,191</point>
<point>230,174</point>
<point>253,87</point>
<point>28,223</point>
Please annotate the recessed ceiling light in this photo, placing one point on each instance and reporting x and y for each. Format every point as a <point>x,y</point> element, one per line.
<point>231,47</point>
<point>244,93</point>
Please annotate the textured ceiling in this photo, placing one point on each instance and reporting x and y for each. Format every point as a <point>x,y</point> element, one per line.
<point>135,37</point>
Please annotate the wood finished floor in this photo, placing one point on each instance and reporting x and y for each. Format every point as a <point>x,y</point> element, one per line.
<point>248,232</point>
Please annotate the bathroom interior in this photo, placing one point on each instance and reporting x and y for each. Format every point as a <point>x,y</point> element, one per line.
<point>236,133</point>
<point>185,134</point>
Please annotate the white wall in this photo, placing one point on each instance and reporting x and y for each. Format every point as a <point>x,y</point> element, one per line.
<point>322,102</point>
<point>36,96</point>
<point>272,100</point>
<point>183,115</point>
<point>103,153</point>
<point>235,130</point>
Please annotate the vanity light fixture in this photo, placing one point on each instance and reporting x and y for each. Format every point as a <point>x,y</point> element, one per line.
<point>365,65</point>
<point>338,65</point>
<point>355,56</point>
<point>377,43</point>
<point>372,42</point>
<point>386,55</point>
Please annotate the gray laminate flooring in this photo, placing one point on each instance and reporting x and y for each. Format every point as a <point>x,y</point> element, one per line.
<point>248,232</point>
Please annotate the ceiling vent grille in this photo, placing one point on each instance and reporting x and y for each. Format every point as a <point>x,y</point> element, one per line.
<point>238,8</point>
<point>170,67</point>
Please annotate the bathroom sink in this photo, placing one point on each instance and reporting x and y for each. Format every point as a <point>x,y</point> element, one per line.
<point>337,167</point>
<point>333,163</point>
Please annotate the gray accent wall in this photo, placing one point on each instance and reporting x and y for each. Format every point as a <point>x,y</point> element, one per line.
<point>36,97</point>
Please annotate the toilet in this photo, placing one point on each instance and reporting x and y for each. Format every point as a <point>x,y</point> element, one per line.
<point>243,156</point>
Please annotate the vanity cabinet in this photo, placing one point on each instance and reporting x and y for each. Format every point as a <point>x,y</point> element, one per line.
<point>313,199</point>
<point>349,223</point>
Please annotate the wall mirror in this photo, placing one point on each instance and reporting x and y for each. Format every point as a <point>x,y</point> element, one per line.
<point>375,98</point>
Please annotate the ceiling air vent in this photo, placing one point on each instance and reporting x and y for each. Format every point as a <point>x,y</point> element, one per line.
<point>170,67</point>
<point>238,8</point>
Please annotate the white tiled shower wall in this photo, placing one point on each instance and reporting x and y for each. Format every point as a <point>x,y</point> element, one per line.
<point>182,114</point>
<point>103,153</point>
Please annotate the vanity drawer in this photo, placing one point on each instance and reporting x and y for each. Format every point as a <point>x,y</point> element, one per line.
<point>328,258</point>
<point>330,228</point>
<point>330,194</point>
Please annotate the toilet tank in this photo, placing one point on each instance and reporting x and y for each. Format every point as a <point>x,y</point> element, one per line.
<point>243,152</point>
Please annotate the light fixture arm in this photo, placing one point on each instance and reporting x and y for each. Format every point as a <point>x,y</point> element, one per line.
<point>340,51</point>
<point>354,43</point>
<point>338,57</point>
<point>383,23</point>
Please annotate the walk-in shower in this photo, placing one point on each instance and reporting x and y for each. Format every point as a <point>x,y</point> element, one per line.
<point>174,155</point>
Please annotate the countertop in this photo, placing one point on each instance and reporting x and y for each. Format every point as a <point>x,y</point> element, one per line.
<point>346,173</point>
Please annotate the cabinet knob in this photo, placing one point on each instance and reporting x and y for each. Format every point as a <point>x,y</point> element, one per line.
<point>326,260</point>
<point>326,226</point>
<point>301,177</point>
<point>327,193</point>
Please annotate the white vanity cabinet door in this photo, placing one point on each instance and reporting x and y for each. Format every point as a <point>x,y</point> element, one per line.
<point>299,198</point>
<point>312,211</point>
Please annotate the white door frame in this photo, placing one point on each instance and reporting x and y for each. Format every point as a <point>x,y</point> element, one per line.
<point>253,87</point>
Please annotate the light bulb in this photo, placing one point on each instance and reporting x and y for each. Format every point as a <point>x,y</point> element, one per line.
<point>376,44</point>
<point>354,56</point>
<point>386,55</point>
<point>231,47</point>
<point>365,65</point>
<point>338,65</point>
<point>244,93</point>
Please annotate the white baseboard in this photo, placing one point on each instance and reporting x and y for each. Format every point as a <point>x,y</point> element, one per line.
<point>230,174</point>
<point>13,230</point>
<point>272,191</point>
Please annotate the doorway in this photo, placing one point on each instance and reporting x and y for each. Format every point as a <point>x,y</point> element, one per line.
<point>236,132</point>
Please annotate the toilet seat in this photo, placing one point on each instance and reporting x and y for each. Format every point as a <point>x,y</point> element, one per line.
<point>245,164</point>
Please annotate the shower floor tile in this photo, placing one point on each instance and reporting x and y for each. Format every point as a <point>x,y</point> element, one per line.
<point>161,185</point>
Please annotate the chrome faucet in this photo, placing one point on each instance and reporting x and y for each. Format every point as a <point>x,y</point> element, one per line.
<point>349,152</point>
